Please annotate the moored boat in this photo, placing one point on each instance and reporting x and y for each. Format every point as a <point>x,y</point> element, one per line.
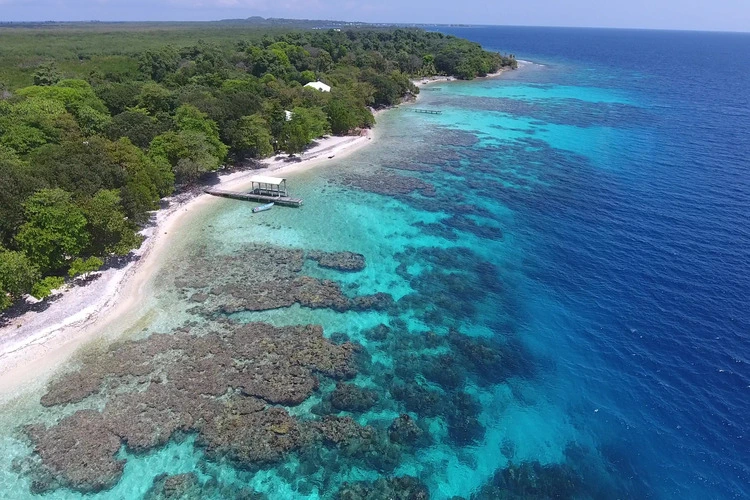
<point>263,208</point>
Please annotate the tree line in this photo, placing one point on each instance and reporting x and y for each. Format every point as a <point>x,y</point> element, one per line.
<point>84,159</point>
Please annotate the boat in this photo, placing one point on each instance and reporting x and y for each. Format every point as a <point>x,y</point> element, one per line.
<point>263,208</point>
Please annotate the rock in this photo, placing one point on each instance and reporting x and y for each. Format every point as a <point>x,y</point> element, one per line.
<point>404,430</point>
<point>342,430</point>
<point>443,370</point>
<point>378,333</point>
<point>177,487</point>
<point>462,418</point>
<point>388,183</point>
<point>261,278</point>
<point>393,488</point>
<point>378,301</point>
<point>187,487</point>
<point>73,387</point>
<point>77,453</point>
<point>362,444</point>
<point>168,384</point>
<point>199,297</point>
<point>349,397</point>
<point>418,399</point>
<point>531,480</point>
<point>250,439</point>
<point>341,261</point>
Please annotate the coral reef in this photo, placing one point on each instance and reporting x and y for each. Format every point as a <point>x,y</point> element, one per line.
<point>261,278</point>
<point>531,481</point>
<point>389,184</point>
<point>188,487</point>
<point>404,430</point>
<point>176,487</point>
<point>175,390</point>
<point>341,261</point>
<point>76,453</point>
<point>349,397</point>
<point>394,488</point>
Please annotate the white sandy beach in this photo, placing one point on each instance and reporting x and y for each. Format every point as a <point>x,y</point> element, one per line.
<point>34,345</point>
<point>421,82</point>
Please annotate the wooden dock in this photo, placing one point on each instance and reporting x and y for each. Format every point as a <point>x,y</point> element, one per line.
<point>428,111</point>
<point>285,201</point>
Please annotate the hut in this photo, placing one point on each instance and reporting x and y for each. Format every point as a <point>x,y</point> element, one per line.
<point>319,86</point>
<point>268,186</point>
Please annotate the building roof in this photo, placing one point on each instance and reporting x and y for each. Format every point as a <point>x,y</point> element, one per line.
<point>267,180</point>
<point>319,85</point>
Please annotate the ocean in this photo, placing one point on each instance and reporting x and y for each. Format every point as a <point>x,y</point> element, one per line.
<point>567,254</point>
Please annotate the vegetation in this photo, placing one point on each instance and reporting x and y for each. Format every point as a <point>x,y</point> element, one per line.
<point>98,124</point>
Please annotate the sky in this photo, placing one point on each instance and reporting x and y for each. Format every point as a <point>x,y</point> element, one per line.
<point>714,15</point>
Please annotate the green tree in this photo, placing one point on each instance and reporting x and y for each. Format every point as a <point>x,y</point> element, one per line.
<point>111,232</point>
<point>46,74</point>
<point>68,93</point>
<point>43,288</point>
<point>315,120</point>
<point>176,148</point>
<point>17,182</point>
<point>190,119</point>
<point>82,267</point>
<point>158,63</point>
<point>137,125</point>
<point>82,167</point>
<point>155,99</point>
<point>17,276</point>
<point>346,112</point>
<point>303,127</point>
<point>118,97</point>
<point>90,120</point>
<point>251,137</point>
<point>307,76</point>
<point>22,138</point>
<point>147,179</point>
<point>54,231</point>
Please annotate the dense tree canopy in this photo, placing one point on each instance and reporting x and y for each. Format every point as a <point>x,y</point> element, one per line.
<point>54,231</point>
<point>86,154</point>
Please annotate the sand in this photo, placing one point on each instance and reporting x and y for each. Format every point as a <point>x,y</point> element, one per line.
<point>34,345</point>
<point>422,82</point>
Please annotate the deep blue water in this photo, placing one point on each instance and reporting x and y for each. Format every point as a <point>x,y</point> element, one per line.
<point>644,242</point>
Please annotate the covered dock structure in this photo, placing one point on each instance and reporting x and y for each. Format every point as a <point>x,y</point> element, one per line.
<point>263,189</point>
<point>268,186</point>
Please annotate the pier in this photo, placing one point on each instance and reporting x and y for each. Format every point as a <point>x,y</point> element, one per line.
<point>264,190</point>
<point>428,111</point>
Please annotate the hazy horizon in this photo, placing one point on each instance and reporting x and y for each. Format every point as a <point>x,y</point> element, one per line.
<point>700,15</point>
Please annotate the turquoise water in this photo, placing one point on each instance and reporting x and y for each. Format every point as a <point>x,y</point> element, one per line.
<point>553,249</point>
<point>516,415</point>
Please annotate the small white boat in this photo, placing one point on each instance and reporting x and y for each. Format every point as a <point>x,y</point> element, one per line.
<point>263,208</point>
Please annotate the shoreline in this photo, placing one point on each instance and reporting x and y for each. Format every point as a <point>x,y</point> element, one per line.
<point>32,349</point>
<point>423,82</point>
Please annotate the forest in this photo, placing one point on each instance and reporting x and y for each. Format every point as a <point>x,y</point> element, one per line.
<point>97,126</point>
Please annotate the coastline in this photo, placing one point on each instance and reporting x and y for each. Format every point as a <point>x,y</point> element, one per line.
<point>423,82</point>
<point>34,345</point>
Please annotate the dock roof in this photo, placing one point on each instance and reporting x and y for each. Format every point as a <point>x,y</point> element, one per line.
<point>267,180</point>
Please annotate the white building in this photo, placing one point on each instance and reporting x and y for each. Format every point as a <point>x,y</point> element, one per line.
<point>319,86</point>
